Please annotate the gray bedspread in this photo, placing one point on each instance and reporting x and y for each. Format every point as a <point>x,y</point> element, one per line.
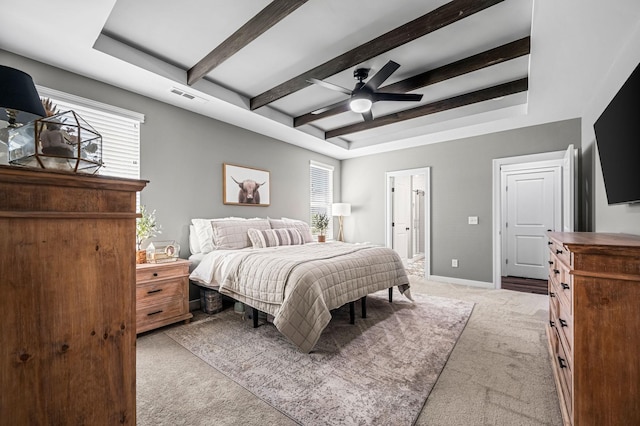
<point>300,285</point>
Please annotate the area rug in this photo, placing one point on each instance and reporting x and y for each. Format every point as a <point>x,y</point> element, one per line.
<point>379,371</point>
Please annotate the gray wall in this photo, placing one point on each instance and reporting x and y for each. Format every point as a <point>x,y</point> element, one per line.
<point>182,155</point>
<point>461,186</point>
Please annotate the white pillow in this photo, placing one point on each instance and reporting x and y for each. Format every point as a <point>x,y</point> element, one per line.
<point>204,233</point>
<point>194,243</point>
<point>233,234</point>
<point>275,237</point>
<point>301,226</point>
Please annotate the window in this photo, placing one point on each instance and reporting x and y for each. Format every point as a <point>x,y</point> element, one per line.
<point>321,178</point>
<point>120,130</point>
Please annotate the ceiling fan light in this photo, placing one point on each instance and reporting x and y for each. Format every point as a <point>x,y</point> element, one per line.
<point>360,105</point>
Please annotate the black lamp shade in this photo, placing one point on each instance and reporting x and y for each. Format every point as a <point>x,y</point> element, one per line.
<point>18,92</point>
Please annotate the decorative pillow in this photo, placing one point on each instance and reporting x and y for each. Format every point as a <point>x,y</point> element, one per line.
<point>275,237</point>
<point>301,226</point>
<point>204,233</point>
<point>232,234</point>
<point>277,223</point>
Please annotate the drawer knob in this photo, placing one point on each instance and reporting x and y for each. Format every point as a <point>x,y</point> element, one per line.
<point>154,291</point>
<point>565,286</point>
<point>562,362</point>
<point>552,324</point>
<point>154,313</point>
<point>552,294</point>
<point>551,262</point>
<point>563,323</point>
<point>155,274</point>
<point>556,271</point>
<point>558,251</point>
<point>549,242</point>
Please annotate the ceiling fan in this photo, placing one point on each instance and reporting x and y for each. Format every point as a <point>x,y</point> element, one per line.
<point>364,94</point>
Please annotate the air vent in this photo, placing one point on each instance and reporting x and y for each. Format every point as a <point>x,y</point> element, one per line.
<point>187,95</point>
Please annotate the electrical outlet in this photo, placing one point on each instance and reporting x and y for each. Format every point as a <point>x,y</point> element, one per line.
<point>454,263</point>
<point>473,220</point>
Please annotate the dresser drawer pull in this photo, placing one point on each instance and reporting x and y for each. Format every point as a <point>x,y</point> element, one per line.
<point>565,286</point>
<point>558,251</point>
<point>154,291</point>
<point>155,274</point>
<point>552,324</point>
<point>563,323</point>
<point>549,242</point>
<point>552,294</point>
<point>154,313</point>
<point>556,271</point>
<point>551,262</point>
<point>562,362</point>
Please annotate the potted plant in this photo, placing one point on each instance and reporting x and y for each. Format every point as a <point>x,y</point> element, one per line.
<point>320,222</point>
<point>146,227</point>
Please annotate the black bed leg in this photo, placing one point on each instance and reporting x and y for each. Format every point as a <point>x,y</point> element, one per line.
<point>390,294</point>
<point>352,312</point>
<point>254,313</point>
<point>363,304</point>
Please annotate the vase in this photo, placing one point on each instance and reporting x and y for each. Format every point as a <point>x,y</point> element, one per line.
<point>322,238</point>
<point>141,256</point>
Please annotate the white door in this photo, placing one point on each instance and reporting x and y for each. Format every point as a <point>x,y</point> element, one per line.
<point>401,215</point>
<point>568,190</point>
<point>531,207</point>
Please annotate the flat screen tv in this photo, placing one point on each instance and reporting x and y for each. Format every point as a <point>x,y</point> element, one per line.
<point>617,133</point>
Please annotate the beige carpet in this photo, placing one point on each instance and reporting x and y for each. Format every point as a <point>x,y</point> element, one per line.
<point>379,370</point>
<point>498,373</point>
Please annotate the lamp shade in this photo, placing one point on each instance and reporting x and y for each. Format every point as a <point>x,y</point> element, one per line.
<point>17,92</point>
<point>341,209</point>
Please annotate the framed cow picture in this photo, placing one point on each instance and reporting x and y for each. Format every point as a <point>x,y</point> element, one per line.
<point>245,186</point>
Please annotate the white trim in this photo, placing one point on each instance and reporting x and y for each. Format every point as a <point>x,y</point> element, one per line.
<point>460,281</point>
<point>45,92</point>
<point>321,165</point>
<point>426,171</point>
<point>509,163</point>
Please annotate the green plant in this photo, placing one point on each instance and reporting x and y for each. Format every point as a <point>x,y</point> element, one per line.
<point>146,226</point>
<point>320,222</point>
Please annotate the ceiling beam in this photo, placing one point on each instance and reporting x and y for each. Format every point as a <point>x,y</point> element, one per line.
<point>434,20</point>
<point>485,59</point>
<point>256,26</point>
<point>500,90</point>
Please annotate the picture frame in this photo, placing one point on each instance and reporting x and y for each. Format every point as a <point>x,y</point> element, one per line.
<point>245,186</point>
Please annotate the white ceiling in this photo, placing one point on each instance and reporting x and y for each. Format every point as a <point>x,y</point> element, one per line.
<point>146,48</point>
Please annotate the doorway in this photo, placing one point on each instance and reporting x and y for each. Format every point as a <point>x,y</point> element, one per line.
<point>407,219</point>
<point>532,194</point>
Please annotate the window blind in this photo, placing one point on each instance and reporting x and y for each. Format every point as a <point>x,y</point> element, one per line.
<point>321,179</point>
<point>120,130</point>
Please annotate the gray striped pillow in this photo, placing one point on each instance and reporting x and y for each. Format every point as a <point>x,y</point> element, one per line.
<point>275,237</point>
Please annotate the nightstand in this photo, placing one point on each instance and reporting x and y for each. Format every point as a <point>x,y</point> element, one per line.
<point>162,294</point>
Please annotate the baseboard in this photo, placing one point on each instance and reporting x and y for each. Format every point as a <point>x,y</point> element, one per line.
<point>461,281</point>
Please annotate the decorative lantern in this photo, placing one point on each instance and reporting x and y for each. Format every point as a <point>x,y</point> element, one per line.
<point>62,141</point>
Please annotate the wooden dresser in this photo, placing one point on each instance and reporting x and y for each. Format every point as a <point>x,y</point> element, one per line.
<point>67,297</point>
<point>162,294</point>
<point>594,326</point>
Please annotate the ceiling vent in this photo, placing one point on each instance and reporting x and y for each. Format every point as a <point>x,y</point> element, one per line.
<point>187,95</point>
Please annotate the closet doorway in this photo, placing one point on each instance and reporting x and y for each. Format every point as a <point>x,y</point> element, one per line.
<point>407,218</point>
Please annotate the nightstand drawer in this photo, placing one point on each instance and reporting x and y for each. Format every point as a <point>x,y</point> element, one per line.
<point>157,313</point>
<point>152,271</point>
<point>153,291</point>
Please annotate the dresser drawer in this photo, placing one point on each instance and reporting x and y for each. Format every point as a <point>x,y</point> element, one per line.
<point>169,308</point>
<point>151,271</point>
<point>561,252</point>
<point>565,374</point>
<point>152,292</point>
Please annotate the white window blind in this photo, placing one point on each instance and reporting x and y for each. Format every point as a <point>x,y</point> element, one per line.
<point>321,178</point>
<point>120,130</point>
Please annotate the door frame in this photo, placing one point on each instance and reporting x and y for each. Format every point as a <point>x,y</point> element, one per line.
<point>426,171</point>
<point>545,159</point>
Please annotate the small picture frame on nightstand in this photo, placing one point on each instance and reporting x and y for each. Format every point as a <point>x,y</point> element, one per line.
<point>163,251</point>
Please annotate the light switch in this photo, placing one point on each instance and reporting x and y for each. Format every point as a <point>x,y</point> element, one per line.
<point>473,220</point>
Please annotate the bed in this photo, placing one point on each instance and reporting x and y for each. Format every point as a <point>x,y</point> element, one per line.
<point>275,267</point>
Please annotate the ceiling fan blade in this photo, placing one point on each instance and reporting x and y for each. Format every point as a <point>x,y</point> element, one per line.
<point>384,73</point>
<point>368,116</point>
<point>330,86</point>
<point>327,108</point>
<point>397,97</point>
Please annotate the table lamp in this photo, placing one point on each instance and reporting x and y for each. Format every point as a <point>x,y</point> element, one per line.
<point>341,210</point>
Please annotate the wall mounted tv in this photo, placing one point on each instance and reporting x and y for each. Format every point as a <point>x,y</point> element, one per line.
<point>618,137</point>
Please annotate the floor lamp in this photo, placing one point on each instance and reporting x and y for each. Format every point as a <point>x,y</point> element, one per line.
<point>341,210</point>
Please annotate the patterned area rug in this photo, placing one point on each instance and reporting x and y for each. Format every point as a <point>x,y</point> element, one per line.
<point>379,371</point>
